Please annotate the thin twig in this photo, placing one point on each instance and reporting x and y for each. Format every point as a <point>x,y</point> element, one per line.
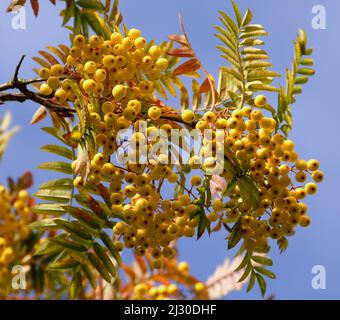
<point>26,94</point>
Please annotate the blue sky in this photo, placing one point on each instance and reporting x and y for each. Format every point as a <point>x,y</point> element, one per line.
<point>316,115</point>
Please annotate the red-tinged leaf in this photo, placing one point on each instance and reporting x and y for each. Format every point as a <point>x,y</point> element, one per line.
<point>217,227</point>
<point>104,193</point>
<point>48,57</point>
<point>64,48</point>
<point>205,86</point>
<point>39,115</point>
<point>179,38</point>
<point>161,279</point>
<point>187,67</point>
<point>183,52</point>
<point>129,272</point>
<point>35,7</point>
<point>141,263</point>
<point>26,181</point>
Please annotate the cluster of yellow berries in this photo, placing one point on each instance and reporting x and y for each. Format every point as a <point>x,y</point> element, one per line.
<point>251,142</point>
<point>149,290</point>
<point>116,80</point>
<point>15,216</point>
<point>151,222</point>
<point>144,291</point>
<point>115,71</point>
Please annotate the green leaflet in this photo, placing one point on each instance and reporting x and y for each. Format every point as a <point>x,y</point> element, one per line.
<point>255,271</point>
<point>262,260</point>
<point>60,184</point>
<point>45,224</point>
<point>63,265</point>
<point>58,150</point>
<point>46,248</point>
<point>89,275</point>
<point>99,266</point>
<point>93,22</point>
<point>73,228</point>
<point>265,272</point>
<point>68,244</point>
<point>57,166</point>
<point>251,282</point>
<point>110,246</point>
<point>85,217</point>
<point>55,209</point>
<point>59,196</point>
<point>91,4</point>
<point>235,235</point>
<point>69,12</point>
<point>248,63</point>
<point>300,72</point>
<point>262,284</point>
<point>105,259</point>
<point>76,284</point>
<point>55,133</point>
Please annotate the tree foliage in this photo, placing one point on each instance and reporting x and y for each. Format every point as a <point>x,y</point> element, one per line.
<point>113,79</point>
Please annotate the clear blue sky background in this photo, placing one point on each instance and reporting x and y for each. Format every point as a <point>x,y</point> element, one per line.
<point>315,131</point>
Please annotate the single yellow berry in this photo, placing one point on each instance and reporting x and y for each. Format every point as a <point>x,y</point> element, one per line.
<point>154,113</point>
<point>119,92</point>
<point>188,116</point>
<point>260,101</point>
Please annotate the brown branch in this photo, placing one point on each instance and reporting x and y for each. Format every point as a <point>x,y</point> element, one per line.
<point>26,94</point>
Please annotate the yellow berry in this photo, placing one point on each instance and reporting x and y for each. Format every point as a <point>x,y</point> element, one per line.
<point>304,221</point>
<point>318,176</point>
<point>100,75</point>
<point>45,89</point>
<point>119,92</point>
<point>154,113</point>
<point>109,61</point>
<point>188,116</point>
<point>313,164</point>
<point>260,101</point>
<point>311,188</point>
<point>199,287</point>
<point>196,181</point>
<point>183,267</point>
<point>162,63</point>
<point>79,41</point>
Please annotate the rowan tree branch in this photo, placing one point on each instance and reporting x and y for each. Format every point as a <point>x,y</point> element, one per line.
<point>26,94</point>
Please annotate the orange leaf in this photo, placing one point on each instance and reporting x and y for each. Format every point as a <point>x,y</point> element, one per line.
<point>187,67</point>
<point>39,115</point>
<point>217,227</point>
<point>161,278</point>
<point>205,86</point>
<point>129,272</point>
<point>35,7</point>
<point>48,57</point>
<point>141,263</point>
<point>183,52</point>
<point>26,180</point>
<point>178,38</point>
